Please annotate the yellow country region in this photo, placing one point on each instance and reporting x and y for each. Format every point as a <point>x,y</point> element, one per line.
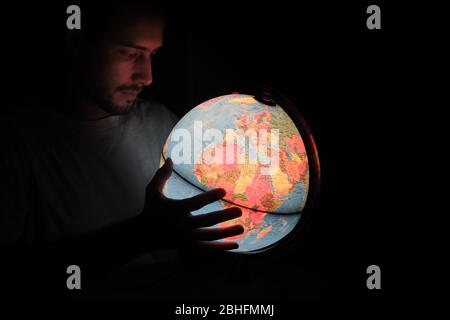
<point>231,135</point>
<point>296,157</point>
<point>280,182</point>
<point>263,232</point>
<point>247,100</point>
<point>211,175</point>
<point>247,173</point>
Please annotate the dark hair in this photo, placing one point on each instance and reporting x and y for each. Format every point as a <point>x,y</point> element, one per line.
<point>98,17</point>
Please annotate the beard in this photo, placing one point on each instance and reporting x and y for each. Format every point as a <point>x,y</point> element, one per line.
<point>108,104</point>
<point>118,102</point>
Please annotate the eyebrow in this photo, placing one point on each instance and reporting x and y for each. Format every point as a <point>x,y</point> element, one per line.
<point>132,45</point>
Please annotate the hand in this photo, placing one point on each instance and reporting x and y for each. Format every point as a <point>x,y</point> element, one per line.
<point>172,223</point>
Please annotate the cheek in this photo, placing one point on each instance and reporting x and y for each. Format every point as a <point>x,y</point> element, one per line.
<point>115,73</point>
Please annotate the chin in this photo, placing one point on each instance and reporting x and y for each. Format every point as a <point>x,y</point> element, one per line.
<point>117,108</point>
<point>124,109</point>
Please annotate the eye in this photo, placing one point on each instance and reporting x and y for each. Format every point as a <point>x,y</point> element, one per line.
<point>133,54</point>
<point>129,53</point>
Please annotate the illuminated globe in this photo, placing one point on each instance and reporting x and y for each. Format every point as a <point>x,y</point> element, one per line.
<point>252,150</point>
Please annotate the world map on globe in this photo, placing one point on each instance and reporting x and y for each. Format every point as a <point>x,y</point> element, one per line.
<point>252,150</point>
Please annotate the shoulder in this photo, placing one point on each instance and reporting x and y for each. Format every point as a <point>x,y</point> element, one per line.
<point>16,124</point>
<point>26,126</point>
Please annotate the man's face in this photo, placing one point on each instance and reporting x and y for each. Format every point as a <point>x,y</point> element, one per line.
<point>122,65</point>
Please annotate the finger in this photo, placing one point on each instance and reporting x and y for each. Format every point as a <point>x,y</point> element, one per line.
<point>161,176</point>
<point>201,200</point>
<point>216,246</point>
<point>212,218</point>
<point>217,233</point>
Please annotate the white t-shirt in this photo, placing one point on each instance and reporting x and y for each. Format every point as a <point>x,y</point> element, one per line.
<point>61,178</point>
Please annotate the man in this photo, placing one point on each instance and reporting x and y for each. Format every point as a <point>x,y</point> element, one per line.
<point>80,184</point>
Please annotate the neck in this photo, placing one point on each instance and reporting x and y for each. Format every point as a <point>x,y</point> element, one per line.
<point>79,106</point>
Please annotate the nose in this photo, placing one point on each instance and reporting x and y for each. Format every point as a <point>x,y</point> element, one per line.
<point>143,72</point>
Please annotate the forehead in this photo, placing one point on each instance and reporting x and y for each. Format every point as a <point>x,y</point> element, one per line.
<point>144,31</point>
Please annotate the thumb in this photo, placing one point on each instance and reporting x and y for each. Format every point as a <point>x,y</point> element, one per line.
<point>161,176</point>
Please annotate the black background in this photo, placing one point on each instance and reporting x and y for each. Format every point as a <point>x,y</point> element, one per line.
<point>361,91</point>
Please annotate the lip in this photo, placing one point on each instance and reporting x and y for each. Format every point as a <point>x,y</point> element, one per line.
<point>129,93</point>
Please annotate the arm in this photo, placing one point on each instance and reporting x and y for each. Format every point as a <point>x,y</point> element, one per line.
<point>164,223</point>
